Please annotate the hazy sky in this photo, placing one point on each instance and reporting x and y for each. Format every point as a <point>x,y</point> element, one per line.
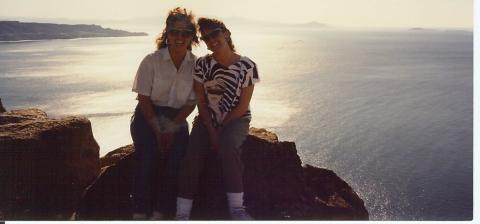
<point>344,13</point>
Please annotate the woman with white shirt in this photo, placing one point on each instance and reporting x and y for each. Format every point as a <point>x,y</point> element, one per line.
<point>159,130</point>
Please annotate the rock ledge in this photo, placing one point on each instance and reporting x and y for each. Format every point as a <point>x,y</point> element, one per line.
<point>50,168</point>
<point>277,187</point>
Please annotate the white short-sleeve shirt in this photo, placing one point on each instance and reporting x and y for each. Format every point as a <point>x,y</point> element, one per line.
<point>158,78</point>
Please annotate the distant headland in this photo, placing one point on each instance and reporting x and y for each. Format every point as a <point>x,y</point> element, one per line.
<point>15,31</point>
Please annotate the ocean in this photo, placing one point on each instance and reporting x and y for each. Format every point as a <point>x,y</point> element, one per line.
<point>390,111</point>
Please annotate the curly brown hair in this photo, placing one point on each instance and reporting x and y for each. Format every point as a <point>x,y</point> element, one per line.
<point>208,23</point>
<point>174,15</point>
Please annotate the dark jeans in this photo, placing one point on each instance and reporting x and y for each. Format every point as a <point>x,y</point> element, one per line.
<point>154,167</point>
<point>232,137</point>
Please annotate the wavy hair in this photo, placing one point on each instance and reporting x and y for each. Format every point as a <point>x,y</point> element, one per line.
<point>174,15</point>
<point>211,24</point>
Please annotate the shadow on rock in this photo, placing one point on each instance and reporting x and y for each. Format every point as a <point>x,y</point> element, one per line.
<point>277,187</point>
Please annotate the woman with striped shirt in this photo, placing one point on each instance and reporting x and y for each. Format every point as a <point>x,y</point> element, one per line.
<point>223,83</point>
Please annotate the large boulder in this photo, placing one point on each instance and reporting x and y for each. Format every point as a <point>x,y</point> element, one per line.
<point>2,109</point>
<point>45,164</point>
<point>276,187</point>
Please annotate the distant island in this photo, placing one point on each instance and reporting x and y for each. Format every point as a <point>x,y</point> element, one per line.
<point>420,29</point>
<point>15,31</point>
<point>312,24</point>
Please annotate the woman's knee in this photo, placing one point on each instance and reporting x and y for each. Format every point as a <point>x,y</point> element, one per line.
<point>141,133</point>
<point>230,157</point>
<point>235,134</point>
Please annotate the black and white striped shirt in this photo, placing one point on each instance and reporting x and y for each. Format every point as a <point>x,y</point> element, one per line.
<point>223,85</point>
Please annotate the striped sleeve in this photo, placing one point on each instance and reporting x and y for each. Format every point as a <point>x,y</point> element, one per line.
<point>251,76</point>
<point>199,74</point>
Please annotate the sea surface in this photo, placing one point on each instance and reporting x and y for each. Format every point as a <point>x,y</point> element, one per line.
<point>390,111</point>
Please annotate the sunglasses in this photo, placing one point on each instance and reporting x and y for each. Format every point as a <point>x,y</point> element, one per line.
<point>180,32</point>
<point>213,34</point>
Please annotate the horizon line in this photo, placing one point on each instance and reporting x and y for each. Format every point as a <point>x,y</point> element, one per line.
<point>78,21</point>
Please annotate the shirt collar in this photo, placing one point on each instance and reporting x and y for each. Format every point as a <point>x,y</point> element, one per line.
<point>166,55</point>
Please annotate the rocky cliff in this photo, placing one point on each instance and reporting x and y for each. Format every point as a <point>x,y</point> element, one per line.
<point>14,31</point>
<point>46,164</point>
<point>277,187</point>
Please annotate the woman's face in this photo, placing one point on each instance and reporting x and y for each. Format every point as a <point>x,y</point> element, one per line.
<point>179,36</point>
<point>215,39</point>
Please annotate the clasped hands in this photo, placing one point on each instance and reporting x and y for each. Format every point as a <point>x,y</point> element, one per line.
<point>214,135</point>
<point>164,130</point>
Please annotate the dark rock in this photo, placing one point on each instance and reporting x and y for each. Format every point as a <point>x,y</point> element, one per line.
<point>276,187</point>
<point>45,164</point>
<point>50,168</point>
<point>116,155</point>
<point>339,199</point>
<point>2,109</point>
<point>17,117</point>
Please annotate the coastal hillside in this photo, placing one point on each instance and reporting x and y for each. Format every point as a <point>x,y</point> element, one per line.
<point>15,30</point>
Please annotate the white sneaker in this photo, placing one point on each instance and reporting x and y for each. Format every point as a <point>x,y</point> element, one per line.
<point>182,217</point>
<point>240,214</point>
<point>156,215</point>
<point>139,216</point>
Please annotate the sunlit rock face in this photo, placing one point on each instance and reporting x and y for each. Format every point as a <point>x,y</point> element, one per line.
<point>277,187</point>
<point>45,164</point>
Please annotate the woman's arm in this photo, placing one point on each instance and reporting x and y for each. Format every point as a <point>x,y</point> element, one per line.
<point>183,113</point>
<point>205,114</point>
<point>242,107</point>
<point>146,107</point>
<point>202,103</point>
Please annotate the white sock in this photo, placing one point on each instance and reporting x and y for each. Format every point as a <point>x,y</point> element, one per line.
<point>235,200</point>
<point>184,206</point>
<point>157,215</point>
<point>139,216</point>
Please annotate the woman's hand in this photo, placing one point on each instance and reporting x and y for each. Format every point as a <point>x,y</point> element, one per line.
<point>164,141</point>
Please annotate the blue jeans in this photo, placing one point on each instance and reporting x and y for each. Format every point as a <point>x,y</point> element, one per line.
<point>229,154</point>
<point>154,167</point>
